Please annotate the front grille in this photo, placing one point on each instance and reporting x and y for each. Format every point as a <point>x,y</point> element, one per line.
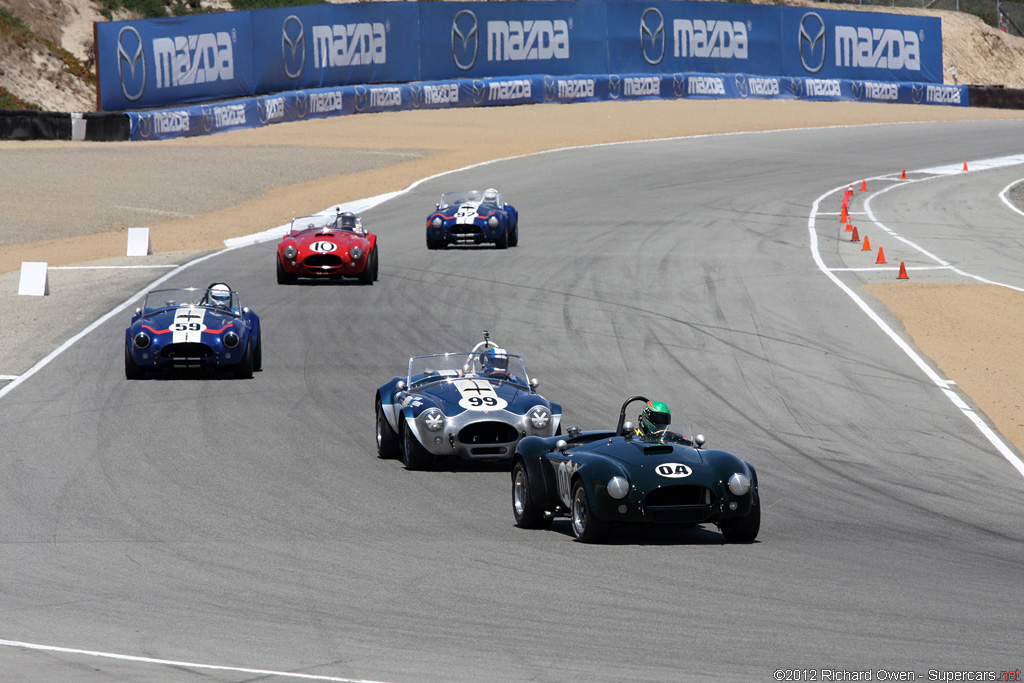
<point>673,496</point>
<point>487,434</point>
<point>320,260</point>
<point>186,350</point>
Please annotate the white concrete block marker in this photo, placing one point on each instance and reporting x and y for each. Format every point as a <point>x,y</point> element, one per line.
<point>138,242</point>
<point>34,279</point>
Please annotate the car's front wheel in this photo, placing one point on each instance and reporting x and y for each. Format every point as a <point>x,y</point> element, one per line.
<point>257,354</point>
<point>283,276</point>
<point>528,515</point>
<point>366,277</point>
<point>742,529</point>
<point>387,440</point>
<point>415,456</point>
<point>244,368</point>
<point>513,240</point>
<point>585,526</point>
<point>502,242</point>
<point>132,370</point>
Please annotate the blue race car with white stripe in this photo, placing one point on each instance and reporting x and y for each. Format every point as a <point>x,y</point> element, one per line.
<point>193,328</point>
<point>473,217</point>
<point>471,405</point>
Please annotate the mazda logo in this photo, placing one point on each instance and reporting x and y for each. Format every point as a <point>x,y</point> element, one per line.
<point>130,57</point>
<point>679,85</point>
<point>478,92</point>
<point>362,97</point>
<point>857,88</point>
<point>795,87</point>
<point>465,39</point>
<point>652,36</point>
<point>614,86</point>
<point>208,118</point>
<point>145,125</point>
<point>301,104</point>
<point>812,32</point>
<point>293,47</point>
<point>261,109</point>
<point>416,95</point>
<point>917,93</point>
<point>742,86</point>
<point>550,89</point>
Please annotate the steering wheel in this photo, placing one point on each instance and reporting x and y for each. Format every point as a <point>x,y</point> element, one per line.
<point>622,412</point>
<point>500,375</point>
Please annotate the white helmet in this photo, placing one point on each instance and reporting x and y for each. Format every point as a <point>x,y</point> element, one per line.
<point>220,295</point>
<point>491,195</point>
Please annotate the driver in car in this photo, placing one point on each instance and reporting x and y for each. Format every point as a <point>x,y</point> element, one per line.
<point>495,362</point>
<point>654,419</point>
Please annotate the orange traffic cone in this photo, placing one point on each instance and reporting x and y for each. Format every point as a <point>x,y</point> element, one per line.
<point>855,237</point>
<point>903,272</point>
<point>843,217</point>
<point>881,256</point>
<point>863,186</point>
<point>849,227</point>
<point>965,165</point>
<point>903,174</point>
<point>867,244</point>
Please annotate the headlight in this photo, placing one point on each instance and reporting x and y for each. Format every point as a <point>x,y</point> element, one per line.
<point>539,418</point>
<point>437,222</point>
<point>739,484</point>
<point>290,252</point>
<point>433,420</point>
<point>141,340</point>
<point>618,487</point>
<point>493,221</point>
<point>231,340</point>
<point>355,253</point>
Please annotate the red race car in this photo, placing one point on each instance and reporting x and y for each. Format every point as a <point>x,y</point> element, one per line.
<point>327,247</point>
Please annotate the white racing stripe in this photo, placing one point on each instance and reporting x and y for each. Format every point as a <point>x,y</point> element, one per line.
<point>187,665</point>
<point>942,383</point>
<point>188,325</point>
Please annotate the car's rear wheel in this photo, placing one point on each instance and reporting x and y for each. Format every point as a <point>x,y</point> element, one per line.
<point>283,276</point>
<point>415,456</point>
<point>387,440</point>
<point>585,526</point>
<point>132,370</point>
<point>244,368</point>
<point>742,529</point>
<point>528,514</point>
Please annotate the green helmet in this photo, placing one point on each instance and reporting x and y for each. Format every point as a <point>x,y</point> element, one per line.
<point>655,418</point>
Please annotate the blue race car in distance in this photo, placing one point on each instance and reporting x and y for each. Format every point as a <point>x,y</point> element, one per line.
<point>473,217</point>
<point>193,328</point>
<point>600,479</point>
<point>471,405</point>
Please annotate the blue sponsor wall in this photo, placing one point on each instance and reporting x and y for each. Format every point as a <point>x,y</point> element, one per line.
<point>532,89</point>
<point>160,62</point>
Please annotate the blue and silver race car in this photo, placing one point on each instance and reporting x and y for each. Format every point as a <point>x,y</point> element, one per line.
<point>471,405</point>
<point>473,217</point>
<point>652,475</point>
<point>193,328</point>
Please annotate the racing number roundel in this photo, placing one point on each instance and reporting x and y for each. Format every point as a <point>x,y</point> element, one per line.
<point>479,395</point>
<point>323,247</point>
<point>673,470</point>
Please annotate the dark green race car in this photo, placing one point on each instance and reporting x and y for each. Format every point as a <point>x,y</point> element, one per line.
<point>604,478</point>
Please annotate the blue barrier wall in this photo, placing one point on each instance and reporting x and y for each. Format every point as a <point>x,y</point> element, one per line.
<point>205,57</point>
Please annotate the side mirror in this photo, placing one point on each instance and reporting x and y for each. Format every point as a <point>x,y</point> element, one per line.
<point>138,311</point>
<point>699,440</point>
<point>627,427</point>
<point>561,445</point>
<point>401,385</point>
<point>534,383</point>
<point>246,310</point>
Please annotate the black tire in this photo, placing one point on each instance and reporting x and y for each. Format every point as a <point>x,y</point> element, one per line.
<point>527,514</point>
<point>257,354</point>
<point>585,526</point>
<point>376,264</point>
<point>244,368</point>
<point>283,276</point>
<point>366,277</point>
<point>502,242</point>
<point>434,244</point>
<point>415,456</point>
<point>742,529</point>
<point>132,370</point>
<point>513,240</point>
<point>387,440</point>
